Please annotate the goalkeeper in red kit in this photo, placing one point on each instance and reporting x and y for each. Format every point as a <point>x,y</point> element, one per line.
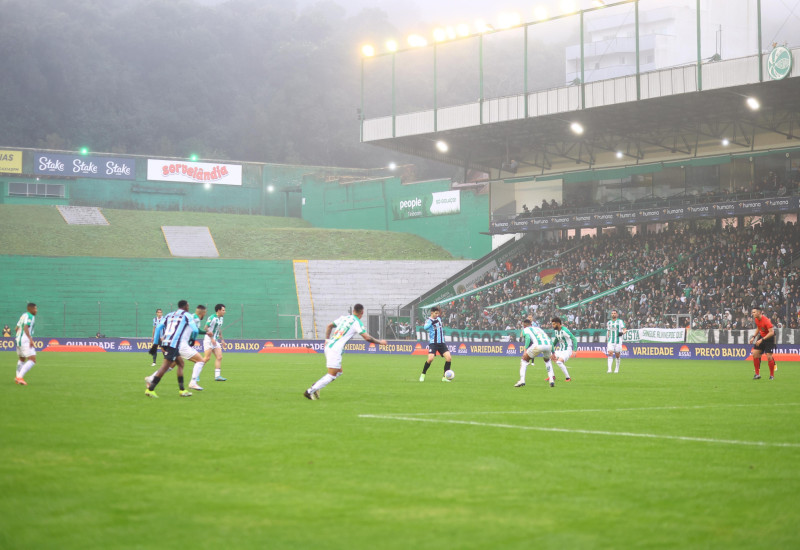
<point>763,341</point>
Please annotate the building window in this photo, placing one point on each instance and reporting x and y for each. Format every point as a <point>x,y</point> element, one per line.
<point>49,190</point>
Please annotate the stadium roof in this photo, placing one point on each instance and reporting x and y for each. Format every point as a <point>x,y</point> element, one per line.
<point>660,129</point>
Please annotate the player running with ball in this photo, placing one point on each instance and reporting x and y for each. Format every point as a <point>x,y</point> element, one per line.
<point>764,341</point>
<point>536,343</point>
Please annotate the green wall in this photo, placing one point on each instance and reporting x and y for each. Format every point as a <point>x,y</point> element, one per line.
<point>368,205</point>
<point>79,296</point>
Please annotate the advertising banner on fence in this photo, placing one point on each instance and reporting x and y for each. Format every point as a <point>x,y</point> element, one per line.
<point>425,205</point>
<point>79,166</point>
<point>785,352</point>
<point>194,172</point>
<point>654,335</point>
<point>724,209</point>
<point>10,162</point>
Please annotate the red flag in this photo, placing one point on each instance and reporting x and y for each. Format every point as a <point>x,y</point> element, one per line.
<point>547,275</point>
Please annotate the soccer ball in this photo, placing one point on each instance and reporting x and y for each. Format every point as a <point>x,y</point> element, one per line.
<point>449,374</point>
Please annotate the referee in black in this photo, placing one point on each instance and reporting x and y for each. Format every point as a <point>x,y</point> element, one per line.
<point>435,343</point>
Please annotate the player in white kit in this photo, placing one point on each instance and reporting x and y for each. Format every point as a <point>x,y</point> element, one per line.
<point>536,343</point>
<point>615,328</point>
<point>26,349</point>
<point>345,327</point>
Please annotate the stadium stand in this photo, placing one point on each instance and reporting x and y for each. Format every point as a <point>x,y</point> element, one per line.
<point>82,215</point>
<point>337,285</point>
<point>190,241</point>
<point>727,272</point>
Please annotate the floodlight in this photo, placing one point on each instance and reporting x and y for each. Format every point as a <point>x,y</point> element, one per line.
<point>619,154</point>
<point>451,32</point>
<point>84,151</point>
<point>568,6</point>
<point>417,41</point>
<point>508,20</point>
<point>540,13</point>
<point>753,103</point>
<point>392,166</point>
<point>207,185</point>
<point>462,29</point>
<point>481,26</point>
<point>391,45</point>
<point>439,34</point>
<point>368,50</point>
<point>193,157</point>
<point>576,128</point>
<point>726,142</point>
<point>442,146</point>
<point>270,188</point>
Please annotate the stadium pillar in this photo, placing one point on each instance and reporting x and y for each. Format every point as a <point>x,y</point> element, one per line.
<point>583,80</point>
<point>699,53</point>
<point>394,111</point>
<point>758,49</point>
<point>525,72</point>
<point>361,112</point>
<point>638,69</point>
<point>480,77</point>
<point>435,91</point>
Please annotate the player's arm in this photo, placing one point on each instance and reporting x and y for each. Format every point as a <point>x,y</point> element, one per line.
<point>624,330</point>
<point>754,336</point>
<point>428,323</point>
<point>328,330</point>
<point>573,339</point>
<point>366,336</point>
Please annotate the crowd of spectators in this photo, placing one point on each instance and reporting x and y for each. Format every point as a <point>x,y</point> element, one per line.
<point>724,273</point>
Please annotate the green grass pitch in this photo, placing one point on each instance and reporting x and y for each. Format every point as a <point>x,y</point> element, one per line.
<point>668,454</point>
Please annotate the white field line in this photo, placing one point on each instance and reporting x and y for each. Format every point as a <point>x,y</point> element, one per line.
<point>623,409</point>
<point>586,432</point>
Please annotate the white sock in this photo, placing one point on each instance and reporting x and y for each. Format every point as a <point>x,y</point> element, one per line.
<point>25,368</point>
<point>563,368</point>
<point>322,382</point>
<point>216,373</point>
<point>610,362</point>
<point>523,367</point>
<point>198,368</point>
<point>549,365</point>
<point>19,366</point>
<point>617,369</point>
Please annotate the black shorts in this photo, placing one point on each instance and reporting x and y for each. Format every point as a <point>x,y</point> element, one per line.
<point>170,353</point>
<point>766,345</point>
<point>441,348</point>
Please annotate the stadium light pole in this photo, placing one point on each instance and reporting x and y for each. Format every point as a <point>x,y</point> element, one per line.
<point>638,67</point>
<point>699,53</point>
<point>758,49</point>
<point>435,91</point>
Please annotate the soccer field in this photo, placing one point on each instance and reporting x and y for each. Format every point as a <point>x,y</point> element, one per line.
<point>667,454</point>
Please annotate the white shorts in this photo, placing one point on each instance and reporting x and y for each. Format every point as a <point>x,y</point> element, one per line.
<point>614,348</point>
<point>207,344</point>
<point>536,349</point>
<point>26,349</point>
<point>333,358</point>
<point>563,355</point>
<point>187,351</point>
